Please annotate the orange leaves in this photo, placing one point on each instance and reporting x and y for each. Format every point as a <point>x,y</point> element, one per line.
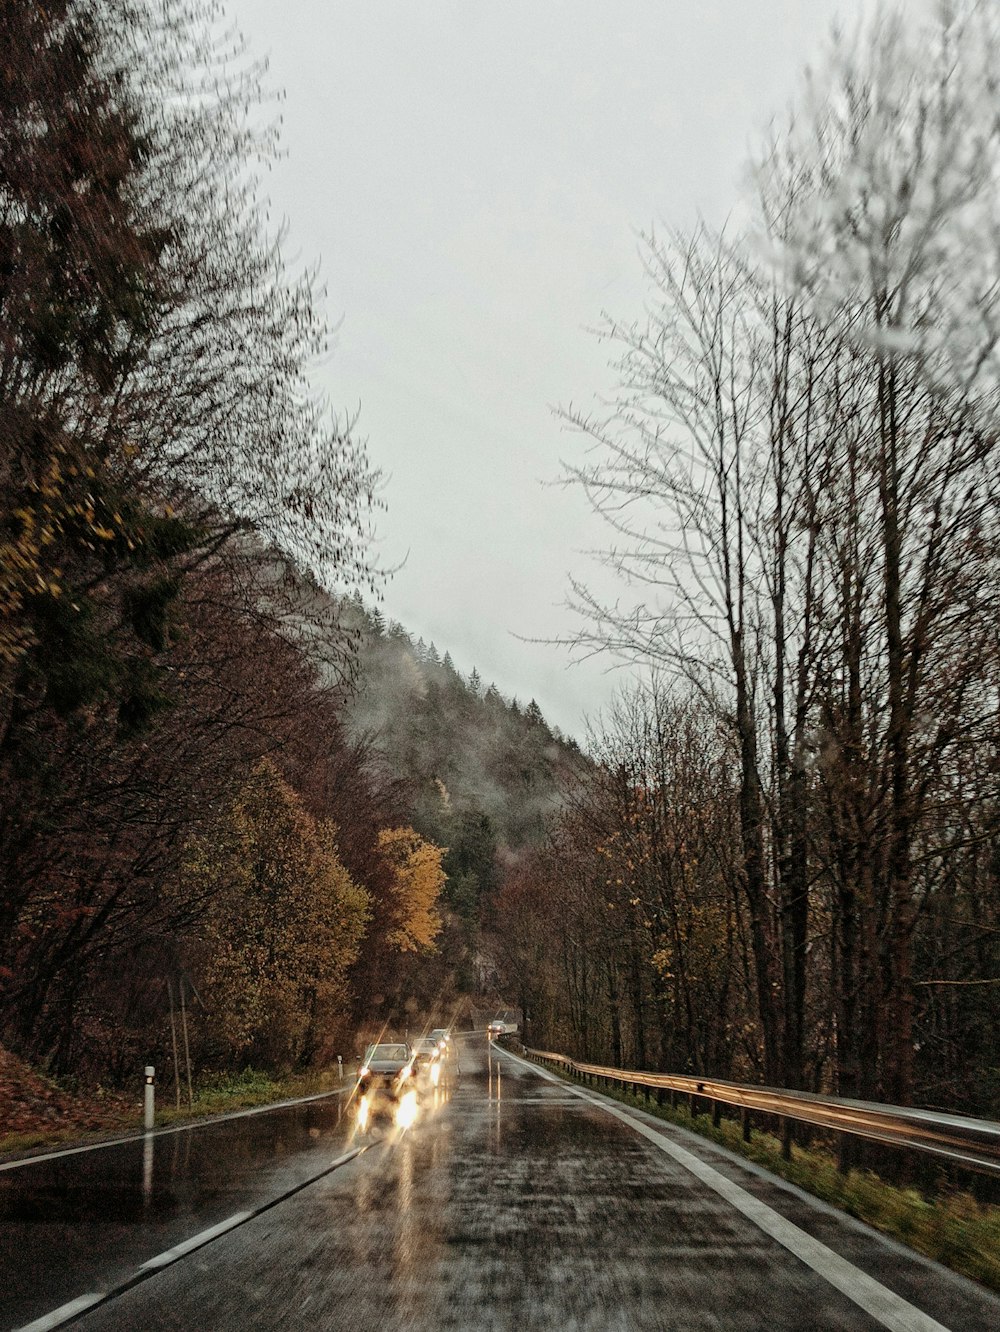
<point>284,920</point>
<point>419,879</point>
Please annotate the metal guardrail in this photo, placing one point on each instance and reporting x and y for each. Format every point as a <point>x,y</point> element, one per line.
<point>972,1144</point>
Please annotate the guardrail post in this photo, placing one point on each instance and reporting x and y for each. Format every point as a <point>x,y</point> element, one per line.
<point>845,1153</point>
<point>661,1096</point>
<point>745,1121</point>
<point>786,1138</point>
<point>716,1114</point>
<point>693,1105</point>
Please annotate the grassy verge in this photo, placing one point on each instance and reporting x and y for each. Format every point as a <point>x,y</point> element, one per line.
<point>214,1094</point>
<point>223,1093</point>
<point>954,1229</point>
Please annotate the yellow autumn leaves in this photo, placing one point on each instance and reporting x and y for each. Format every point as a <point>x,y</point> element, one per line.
<point>419,879</point>
<point>283,920</point>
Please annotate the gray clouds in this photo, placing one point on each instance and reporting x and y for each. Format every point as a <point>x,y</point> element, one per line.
<point>472,177</point>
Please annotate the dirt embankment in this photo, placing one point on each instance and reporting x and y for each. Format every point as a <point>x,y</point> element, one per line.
<point>30,1104</point>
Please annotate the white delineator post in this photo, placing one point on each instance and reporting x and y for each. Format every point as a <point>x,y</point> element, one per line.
<point>149,1093</point>
<point>340,1068</point>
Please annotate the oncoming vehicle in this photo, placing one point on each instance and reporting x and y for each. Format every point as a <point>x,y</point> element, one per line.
<point>443,1038</point>
<point>427,1055</point>
<point>383,1085</point>
<point>502,1025</point>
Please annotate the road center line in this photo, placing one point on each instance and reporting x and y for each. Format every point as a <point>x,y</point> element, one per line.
<point>890,1309</point>
<point>169,1256</point>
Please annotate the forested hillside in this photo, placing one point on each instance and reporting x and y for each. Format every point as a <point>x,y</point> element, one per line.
<point>481,775</point>
<point>456,741</point>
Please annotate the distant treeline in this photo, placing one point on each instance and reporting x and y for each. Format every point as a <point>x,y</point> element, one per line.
<point>481,775</point>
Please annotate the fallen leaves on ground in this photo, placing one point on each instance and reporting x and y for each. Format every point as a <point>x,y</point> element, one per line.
<point>30,1103</point>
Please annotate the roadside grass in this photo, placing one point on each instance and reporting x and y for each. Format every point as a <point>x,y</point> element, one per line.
<point>23,1144</point>
<point>222,1093</point>
<point>953,1228</point>
<point>213,1094</point>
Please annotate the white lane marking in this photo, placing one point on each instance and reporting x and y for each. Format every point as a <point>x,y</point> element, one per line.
<point>66,1313</point>
<point>58,1316</point>
<point>169,1256</point>
<point>890,1309</point>
<point>163,1132</point>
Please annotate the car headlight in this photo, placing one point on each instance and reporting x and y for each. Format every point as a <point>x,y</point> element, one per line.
<point>363,1072</point>
<point>406,1111</point>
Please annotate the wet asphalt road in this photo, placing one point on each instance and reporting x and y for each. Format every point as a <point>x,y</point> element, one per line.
<point>86,1221</point>
<point>513,1203</point>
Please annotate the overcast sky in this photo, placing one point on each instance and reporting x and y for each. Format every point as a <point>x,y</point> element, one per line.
<point>471,178</point>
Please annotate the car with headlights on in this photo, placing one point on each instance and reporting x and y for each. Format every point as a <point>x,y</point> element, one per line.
<point>384,1080</point>
<point>386,1067</point>
<point>427,1065</point>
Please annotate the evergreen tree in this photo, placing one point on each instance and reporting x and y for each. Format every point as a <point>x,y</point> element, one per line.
<point>533,714</point>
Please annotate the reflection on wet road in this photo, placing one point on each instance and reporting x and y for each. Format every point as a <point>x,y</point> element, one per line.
<point>94,1216</point>
<point>515,1203</point>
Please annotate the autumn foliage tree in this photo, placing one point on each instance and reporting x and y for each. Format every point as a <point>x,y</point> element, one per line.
<point>417,882</point>
<point>160,442</point>
<point>281,925</point>
<point>85,550</point>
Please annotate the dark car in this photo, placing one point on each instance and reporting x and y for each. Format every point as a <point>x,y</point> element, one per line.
<point>386,1068</point>
<point>425,1051</point>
